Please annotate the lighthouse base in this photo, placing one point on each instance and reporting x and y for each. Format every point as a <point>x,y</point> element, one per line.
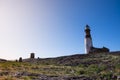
<point>99,50</point>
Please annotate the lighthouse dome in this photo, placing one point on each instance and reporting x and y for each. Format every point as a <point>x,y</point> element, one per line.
<point>87,27</point>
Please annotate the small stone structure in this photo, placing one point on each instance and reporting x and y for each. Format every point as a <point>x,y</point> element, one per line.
<point>20,59</point>
<point>32,55</point>
<point>98,50</point>
<point>89,45</point>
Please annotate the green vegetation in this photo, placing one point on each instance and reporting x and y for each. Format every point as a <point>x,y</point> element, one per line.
<point>97,67</point>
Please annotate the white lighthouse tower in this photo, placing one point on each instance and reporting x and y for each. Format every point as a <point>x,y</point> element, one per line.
<point>88,40</point>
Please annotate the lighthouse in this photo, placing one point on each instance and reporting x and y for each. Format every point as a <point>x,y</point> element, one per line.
<point>88,40</point>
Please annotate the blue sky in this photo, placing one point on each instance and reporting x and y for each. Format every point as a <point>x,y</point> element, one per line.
<point>52,28</point>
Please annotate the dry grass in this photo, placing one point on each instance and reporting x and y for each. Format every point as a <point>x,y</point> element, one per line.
<point>108,66</point>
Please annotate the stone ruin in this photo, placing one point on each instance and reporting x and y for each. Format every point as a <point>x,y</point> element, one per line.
<point>32,55</point>
<point>20,59</point>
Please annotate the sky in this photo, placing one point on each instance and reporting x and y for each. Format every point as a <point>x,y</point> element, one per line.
<point>52,28</point>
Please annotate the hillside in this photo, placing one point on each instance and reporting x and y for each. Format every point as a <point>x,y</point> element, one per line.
<point>99,66</point>
<point>77,59</point>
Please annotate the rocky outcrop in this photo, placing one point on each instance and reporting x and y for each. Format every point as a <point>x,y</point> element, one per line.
<point>45,77</point>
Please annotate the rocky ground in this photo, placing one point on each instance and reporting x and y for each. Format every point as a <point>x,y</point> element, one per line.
<point>99,66</point>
